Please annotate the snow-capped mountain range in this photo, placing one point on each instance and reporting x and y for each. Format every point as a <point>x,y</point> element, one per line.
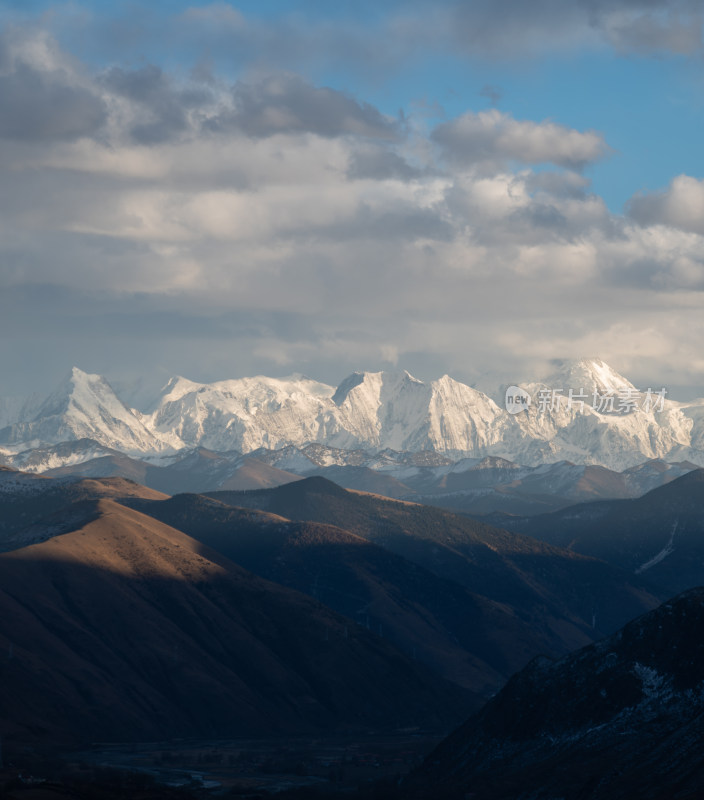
<point>367,411</point>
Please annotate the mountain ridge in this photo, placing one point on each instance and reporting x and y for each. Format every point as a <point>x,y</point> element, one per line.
<point>371,411</point>
<point>658,535</point>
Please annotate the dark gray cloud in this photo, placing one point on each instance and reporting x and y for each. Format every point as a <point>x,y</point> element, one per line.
<point>514,28</point>
<point>279,103</point>
<point>136,316</point>
<point>659,272</point>
<point>378,163</point>
<point>286,103</point>
<point>219,35</point>
<point>402,224</point>
<point>558,184</point>
<point>659,28</point>
<point>544,216</point>
<point>162,109</point>
<point>38,107</point>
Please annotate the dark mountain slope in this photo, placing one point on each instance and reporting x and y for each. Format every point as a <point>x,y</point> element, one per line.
<point>617,720</point>
<point>566,599</point>
<point>659,536</point>
<point>128,629</point>
<point>467,638</point>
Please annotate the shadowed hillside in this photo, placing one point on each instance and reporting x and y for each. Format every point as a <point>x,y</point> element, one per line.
<point>659,536</point>
<point>128,629</point>
<point>618,720</point>
<point>465,637</point>
<point>566,599</point>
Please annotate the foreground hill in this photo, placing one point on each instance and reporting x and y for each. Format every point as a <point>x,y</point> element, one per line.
<point>469,639</point>
<point>617,720</point>
<point>565,599</point>
<point>34,508</point>
<point>659,536</point>
<point>126,629</point>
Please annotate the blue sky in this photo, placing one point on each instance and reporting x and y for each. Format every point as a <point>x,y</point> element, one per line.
<point>649,105</point>
<point>236,179</point>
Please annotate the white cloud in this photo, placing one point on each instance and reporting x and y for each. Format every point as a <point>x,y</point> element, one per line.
<point>494,137</point>
<point>681,205</point>
<point>327,246</point>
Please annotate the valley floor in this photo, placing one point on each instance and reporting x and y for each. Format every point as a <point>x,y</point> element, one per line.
<point>284,767</point>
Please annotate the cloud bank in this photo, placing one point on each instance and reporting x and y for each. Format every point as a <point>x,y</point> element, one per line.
<point>218,227</point>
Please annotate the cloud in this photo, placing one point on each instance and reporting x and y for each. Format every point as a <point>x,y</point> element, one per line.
<point>309,39</point>
<point>514,29</point>
<point>558,184</point>
<point>379,163</point>
<point>285,103</point>
<point>153,109</point>
<point>675,30</point>
<point>507,31</point>
<point>681,205</point>
<point>370,41</point>
<point>44,104</point>
<point>494,137</point>
<point>159,111</point>
<point>274,223</point>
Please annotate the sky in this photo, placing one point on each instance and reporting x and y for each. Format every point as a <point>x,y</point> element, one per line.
<point>219,190</point>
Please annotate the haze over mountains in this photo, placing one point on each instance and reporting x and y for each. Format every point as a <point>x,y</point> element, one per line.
<point>372,412</point>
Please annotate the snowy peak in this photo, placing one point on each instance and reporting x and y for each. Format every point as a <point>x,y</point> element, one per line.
<point>397,411</point>
<point>447,387</point>
<point>176,388</point>
<point>370,411</point>
<point>373,383</point>
<point>263,389</point>
<point>82,391</point>
<point>384,409</point>
<point>83,406</point>
<point>349,383</point>
<point>84,395</point>
<point>243,414</point>
<point>464,419</point>
<point>587,374</point>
